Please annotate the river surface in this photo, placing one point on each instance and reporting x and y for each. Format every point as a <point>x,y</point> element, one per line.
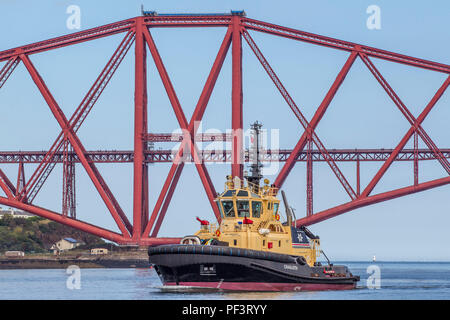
<point>380,280</point>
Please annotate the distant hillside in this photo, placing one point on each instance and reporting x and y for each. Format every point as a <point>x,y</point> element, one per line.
<point>38,235</point>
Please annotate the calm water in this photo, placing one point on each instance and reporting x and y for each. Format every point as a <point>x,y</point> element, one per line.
<point>399,280</point>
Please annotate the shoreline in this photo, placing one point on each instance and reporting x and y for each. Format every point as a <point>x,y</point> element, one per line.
<point>65,263</point>
<point>83,261</point>
<point>113,261</point>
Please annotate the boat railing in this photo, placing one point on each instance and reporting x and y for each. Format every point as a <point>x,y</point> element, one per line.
<point>315,243</point>
<point>213,227</point>
<point>264,190</point>
<point>237,183</point>
<point>272,191</point>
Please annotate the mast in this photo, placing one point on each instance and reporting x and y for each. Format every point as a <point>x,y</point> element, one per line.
<point>254,155</point>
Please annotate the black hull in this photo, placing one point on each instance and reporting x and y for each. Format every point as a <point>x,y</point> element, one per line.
<point>226,268</point>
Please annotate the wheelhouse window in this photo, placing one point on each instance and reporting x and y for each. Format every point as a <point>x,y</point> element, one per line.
<point>275,208</point>
<point>228,208</point>
<point>220,208</point>
<point>243,208</point>
<point>229,193</point>
<point>256,209</point>
<point>242,193</point>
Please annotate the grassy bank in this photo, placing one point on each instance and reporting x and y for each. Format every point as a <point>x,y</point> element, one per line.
<point>37,235</point>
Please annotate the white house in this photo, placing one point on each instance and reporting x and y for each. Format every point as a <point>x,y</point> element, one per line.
<point>15,213</point>
<point>65,244</point>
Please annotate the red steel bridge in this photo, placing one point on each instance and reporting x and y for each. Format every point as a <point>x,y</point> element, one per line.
<point>67,149</point>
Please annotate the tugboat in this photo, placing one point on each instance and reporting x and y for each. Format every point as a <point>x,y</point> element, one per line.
<point>250,249</point>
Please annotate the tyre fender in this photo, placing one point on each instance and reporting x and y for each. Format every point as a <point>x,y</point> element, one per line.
<point>190,240</point>
<point>301,260</point>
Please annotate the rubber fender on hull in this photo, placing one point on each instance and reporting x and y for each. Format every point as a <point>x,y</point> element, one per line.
<point>224,251</point>
<point>301,260</point>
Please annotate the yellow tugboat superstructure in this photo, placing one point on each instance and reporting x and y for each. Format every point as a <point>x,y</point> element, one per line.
<point>250,219</point>
<point>251,248</point>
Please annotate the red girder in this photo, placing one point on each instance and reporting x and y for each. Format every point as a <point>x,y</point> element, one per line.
<point>342,45</point>
<point>408,115</point>
<point>69,39</point>
<point>189,129</point>
<point>237,167</point>
<point>222,156</point>
<point>20,179</point>
<point>406,138</point>
<point>7,69</point>
<point>315,120</point>
<point>137,30</point>
<point>7,186</point>
<point>416,158</point>
<point>309,179</point>
<point>68,198</point>
<point>117,213</point>
<point>174,137</point>
<point>140,169</point>
<point>365,201</point>
<point>188,21</point>
<point>314,138</point>
<point>46,166</point>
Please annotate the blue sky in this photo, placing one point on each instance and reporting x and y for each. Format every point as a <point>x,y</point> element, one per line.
<point>360,116</point>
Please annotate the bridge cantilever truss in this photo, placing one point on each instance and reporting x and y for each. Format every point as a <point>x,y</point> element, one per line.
<point>67,148</point>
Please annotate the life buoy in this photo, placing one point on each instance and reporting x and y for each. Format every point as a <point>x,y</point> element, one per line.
<point>277,216</point>
<point>218,232</point>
